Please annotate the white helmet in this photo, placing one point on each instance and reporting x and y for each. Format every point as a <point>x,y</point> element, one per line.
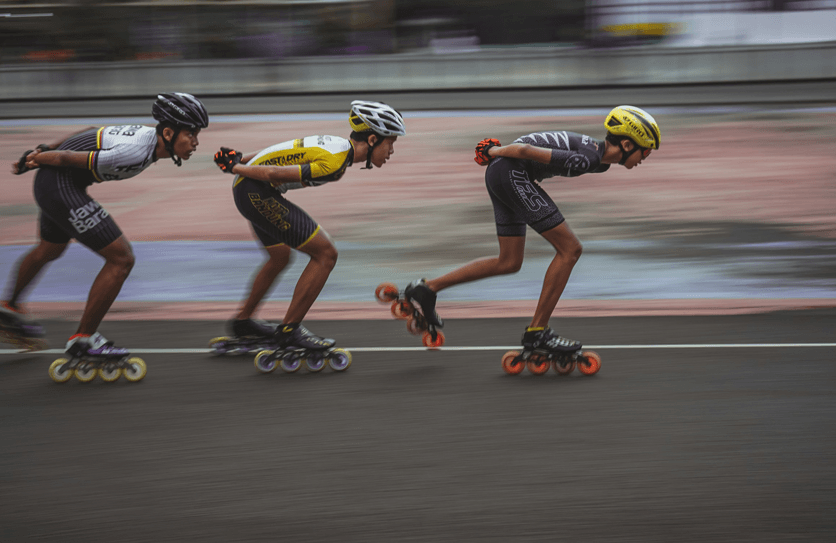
<point>376,117</point>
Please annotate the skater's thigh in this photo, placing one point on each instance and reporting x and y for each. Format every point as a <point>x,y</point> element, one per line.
<point>274,218</point>
<point>563,239</point>
<point>67,211</point>
<point>519,201</point>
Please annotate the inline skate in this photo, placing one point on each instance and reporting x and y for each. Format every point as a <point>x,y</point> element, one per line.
<point>543,349</point>
<point>415,305</point>
<point>297,346</point>
<point>20,331</point>
<point>248,336</point>
<point>95,355</point>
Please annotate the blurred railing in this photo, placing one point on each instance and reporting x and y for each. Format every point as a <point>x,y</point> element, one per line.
<point>124,49</point>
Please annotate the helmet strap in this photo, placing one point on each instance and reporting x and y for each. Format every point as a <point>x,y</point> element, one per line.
<point>368,165</point>
<point>169,146</point>
<point>625,155</point>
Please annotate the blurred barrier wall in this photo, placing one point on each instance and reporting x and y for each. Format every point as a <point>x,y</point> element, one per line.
<point>520,67</point>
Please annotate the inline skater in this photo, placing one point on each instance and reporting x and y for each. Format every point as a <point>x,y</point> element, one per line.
<point>65,169</point>
<point>512,177</point>
<point>261,181</point>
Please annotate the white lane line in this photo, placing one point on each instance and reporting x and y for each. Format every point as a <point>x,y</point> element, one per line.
<point>495,348</point>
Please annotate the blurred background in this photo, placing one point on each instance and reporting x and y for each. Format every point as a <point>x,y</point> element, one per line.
<point>56,49</point>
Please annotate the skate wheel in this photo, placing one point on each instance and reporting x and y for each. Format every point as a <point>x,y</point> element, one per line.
<point>219,345</point>
<point>538,365</point>
<point>110,373</point>
<point>428,340</point>
<point>291,364</point>
<point>85,373</point>
<point>339,360</point>
<point>136,369</point>
<point>402,309</point>
<point>315,363</point>
<point>386,292</point>
<point>589,363</point>
<point>57,374</point>
<point>510,363</point>
<point>564,368</point>
<point>265,362</point>
<point>412,326</point>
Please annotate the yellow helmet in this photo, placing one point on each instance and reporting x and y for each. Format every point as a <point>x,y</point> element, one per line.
<point>636,124</point>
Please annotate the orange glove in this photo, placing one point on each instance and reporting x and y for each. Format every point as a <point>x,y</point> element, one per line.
<point>482,156</point>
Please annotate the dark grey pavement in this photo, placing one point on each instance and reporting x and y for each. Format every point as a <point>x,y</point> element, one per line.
<point>691,444</point>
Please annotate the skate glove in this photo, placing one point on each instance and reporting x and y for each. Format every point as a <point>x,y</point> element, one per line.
<point>482,157</point>
<point>227,158</point>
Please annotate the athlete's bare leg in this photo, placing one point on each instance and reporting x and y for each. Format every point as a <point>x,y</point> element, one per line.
<point>510,259</point>
<point>569,250</point>
<point>32,264</point>
<point>119,260</point>
<point>278,257</point>
<point>323,259</point>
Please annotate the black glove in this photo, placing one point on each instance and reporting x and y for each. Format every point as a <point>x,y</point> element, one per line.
<point>227,158</point>
<point>21,164</point>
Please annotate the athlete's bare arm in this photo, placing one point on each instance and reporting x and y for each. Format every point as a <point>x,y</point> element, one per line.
<point>522,151</point>
<point>275,175</point>
<point>59,159</point>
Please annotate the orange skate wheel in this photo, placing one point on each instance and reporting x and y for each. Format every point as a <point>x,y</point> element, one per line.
<point>511,365</point>
<point>589,363</point>
<point>412,326</point>
<point>401,309</point>
<point>386,292</point>
<point>538,365</point>
<point>428,340</point>
<point>565,369</point>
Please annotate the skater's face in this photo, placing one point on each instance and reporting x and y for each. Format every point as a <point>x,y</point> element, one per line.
<point>186,143</point>
<point>637,156</point>
<point>382,152</point>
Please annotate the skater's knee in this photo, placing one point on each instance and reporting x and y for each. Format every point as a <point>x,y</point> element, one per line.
<point>507,266</point>
<point>571,252</point>
<point>327,256</point>
<point>47,252</point>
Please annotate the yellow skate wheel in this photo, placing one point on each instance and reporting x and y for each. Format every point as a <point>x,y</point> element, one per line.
<point>264,362</point>
<point>85,372</point>
<point>339,359</point>
<point>589,363</point>
<point>315,364</point>
<point>56,374</point>
<point>110,373</point>
<point>136,370</point>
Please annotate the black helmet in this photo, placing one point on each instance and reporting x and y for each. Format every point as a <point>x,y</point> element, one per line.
<point>180,109</point>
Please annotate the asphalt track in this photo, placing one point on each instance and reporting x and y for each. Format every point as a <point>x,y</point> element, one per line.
<point>695,441</point>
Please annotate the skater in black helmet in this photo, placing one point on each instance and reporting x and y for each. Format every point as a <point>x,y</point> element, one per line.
<point>65,169</point>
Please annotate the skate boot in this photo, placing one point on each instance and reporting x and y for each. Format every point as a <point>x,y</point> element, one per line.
<point>248,335</point>
<point>296,345</point>
<point>542,349</point>
<point>416,305</point>
<point>16,328</point>
<point>88,356</point>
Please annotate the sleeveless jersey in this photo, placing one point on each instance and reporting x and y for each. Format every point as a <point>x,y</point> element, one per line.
<point>575,154</point>
<point>320,159</point>
<point>115,152</point>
